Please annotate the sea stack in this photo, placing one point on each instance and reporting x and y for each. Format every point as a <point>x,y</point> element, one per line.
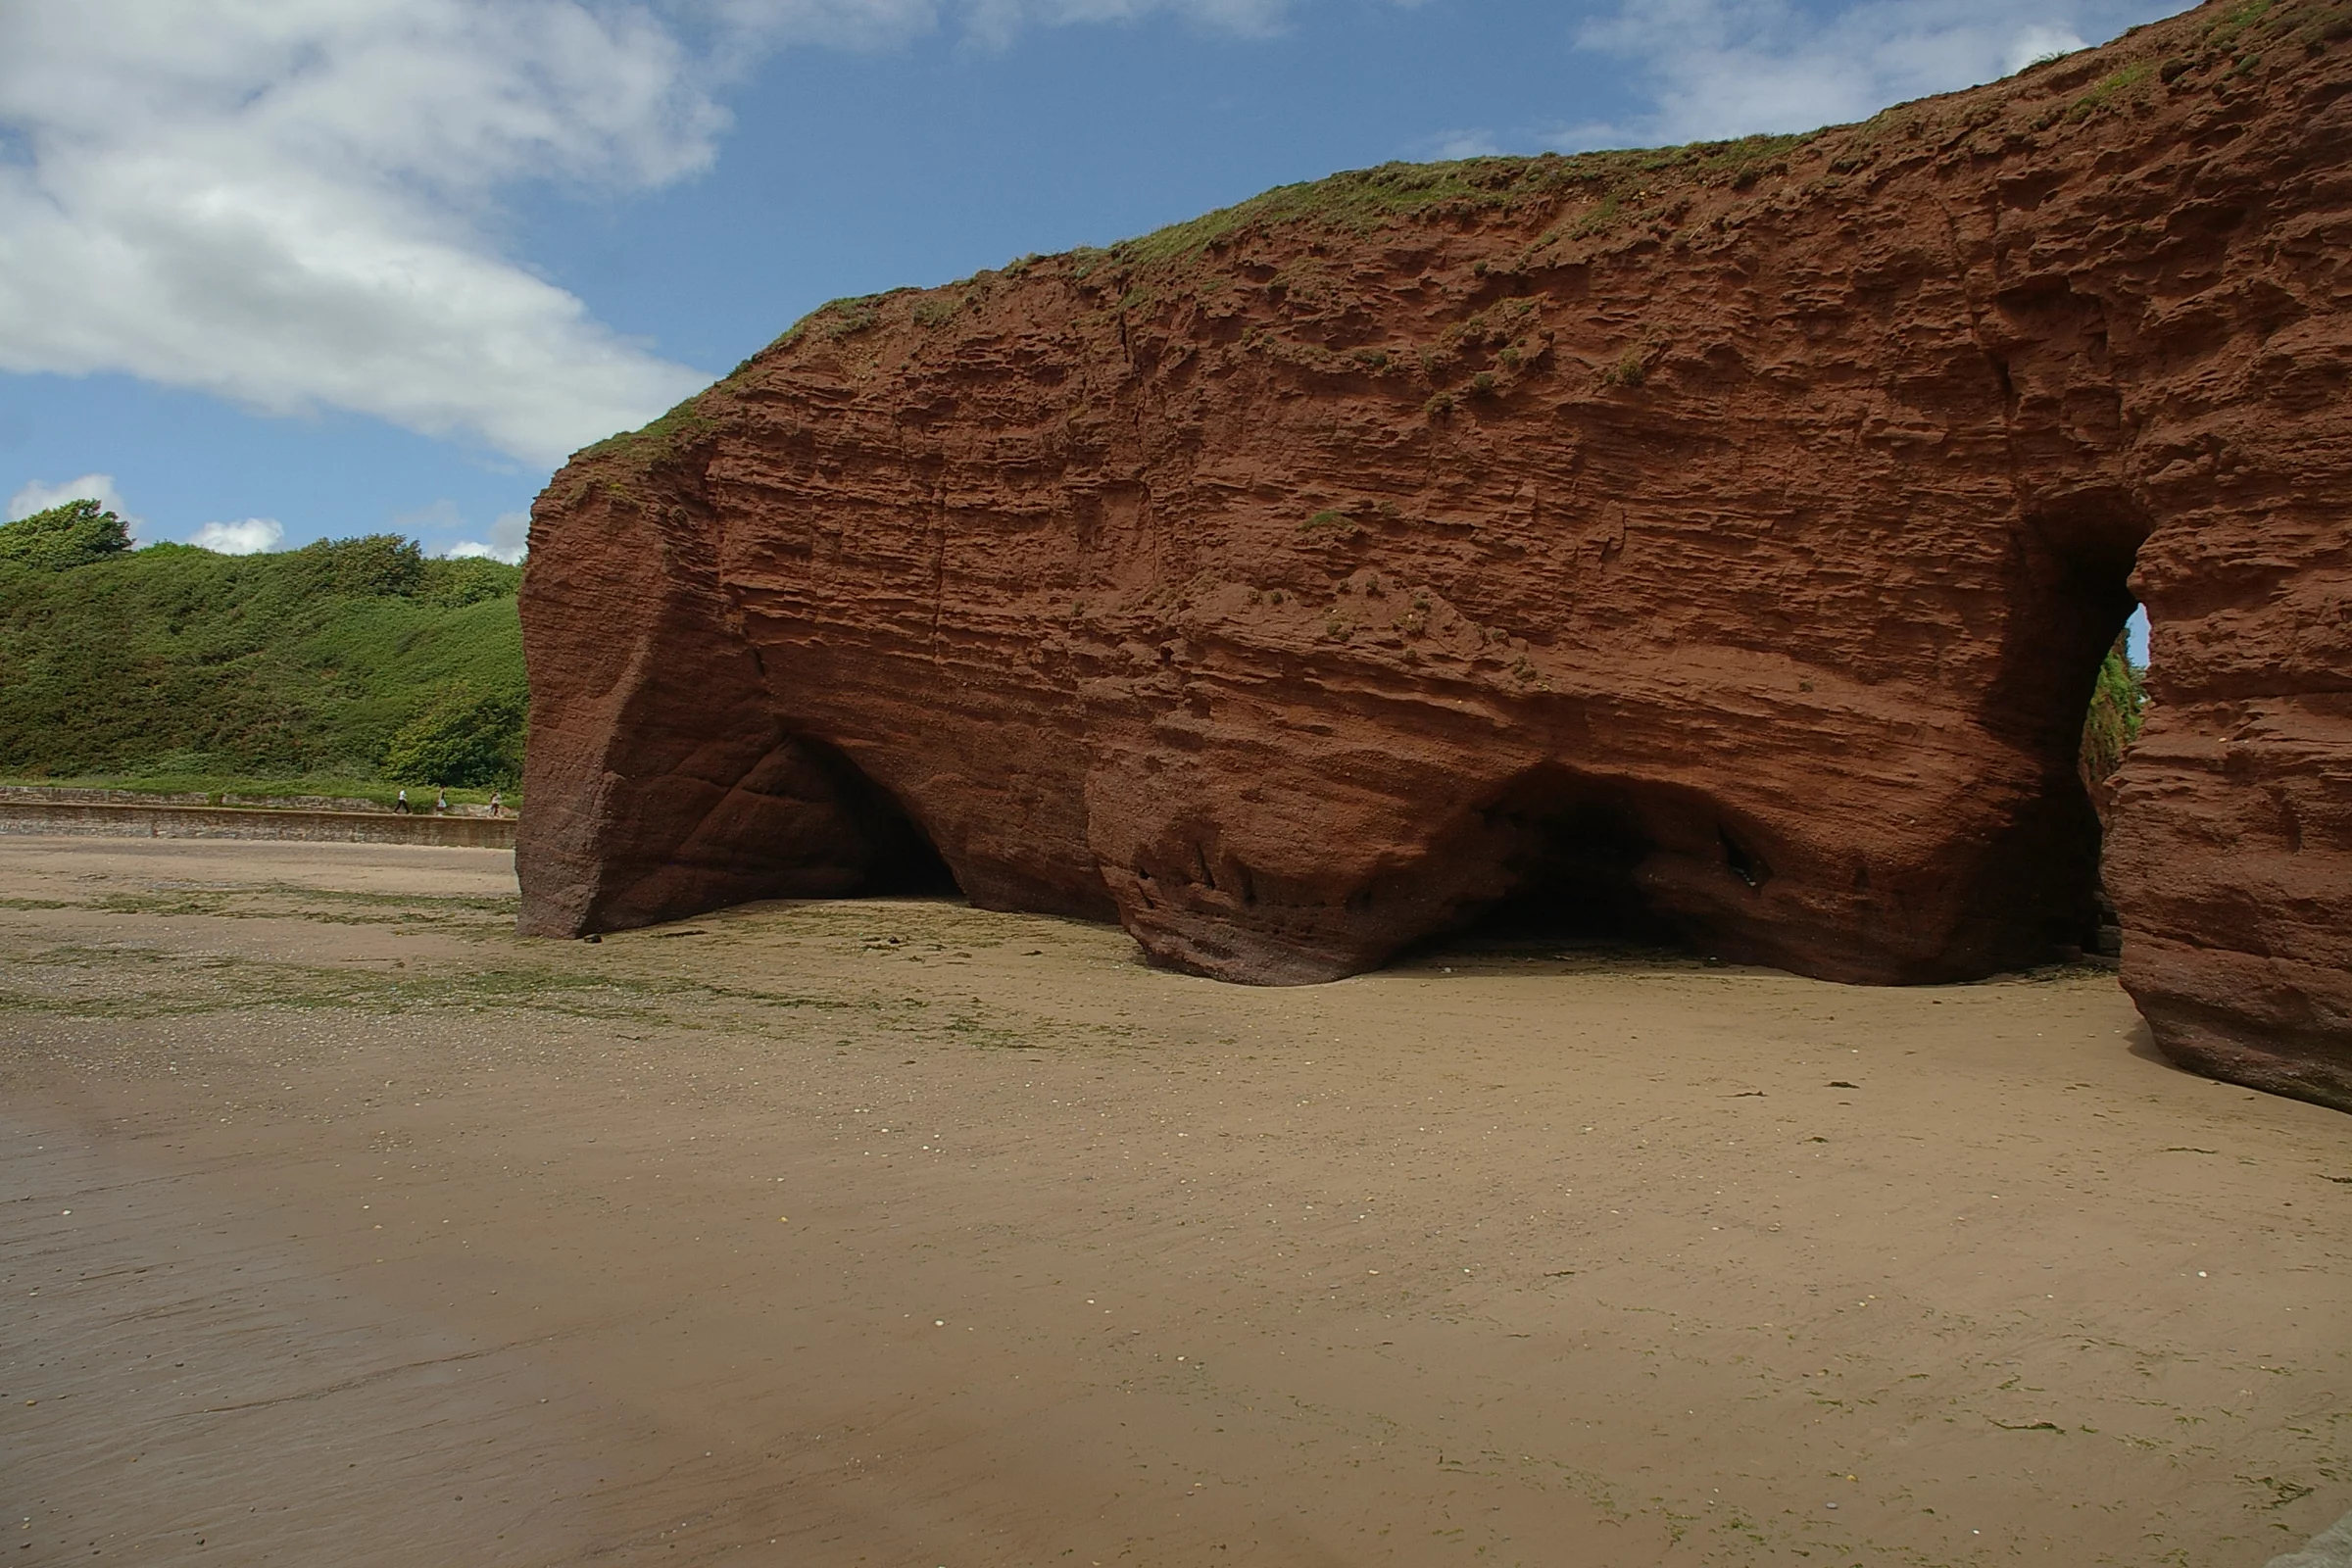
<point>1717,544</point>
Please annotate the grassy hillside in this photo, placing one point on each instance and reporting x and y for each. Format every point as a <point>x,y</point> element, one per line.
<point>357,658</point>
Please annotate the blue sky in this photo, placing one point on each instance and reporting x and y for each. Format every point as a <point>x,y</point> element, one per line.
<point>317,267</point>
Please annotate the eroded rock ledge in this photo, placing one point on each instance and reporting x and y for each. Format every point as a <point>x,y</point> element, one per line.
<point>1717,542</point>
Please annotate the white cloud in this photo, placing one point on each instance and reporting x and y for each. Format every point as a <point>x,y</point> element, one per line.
<point>39,496</point>
<point>993,23</point>
<point>989,23</point>
<point>247,538</point>
<point>291,203</point>
<point>2038,43</point>
<point>280,203</point>
<point>288,203</point>
<point>508,536</point>
<point>1729,68</point>
<point>1447,144</point>
<point>509,541</point>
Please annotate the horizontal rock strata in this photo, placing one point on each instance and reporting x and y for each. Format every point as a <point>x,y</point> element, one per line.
<point>1715,545</point>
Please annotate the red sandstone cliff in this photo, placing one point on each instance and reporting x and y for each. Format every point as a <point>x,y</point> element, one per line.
<point>1719,542</point>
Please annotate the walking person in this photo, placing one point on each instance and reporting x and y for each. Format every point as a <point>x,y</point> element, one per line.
<point>399,802</point>
<point>495,800</point>
<point>441,802</point>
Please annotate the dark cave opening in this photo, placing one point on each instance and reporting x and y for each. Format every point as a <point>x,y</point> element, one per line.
<point>2066,693</point>
<point>803,821</point>
<point>2110,726</point>
<point>1573,851</point>
<point>893,856</point>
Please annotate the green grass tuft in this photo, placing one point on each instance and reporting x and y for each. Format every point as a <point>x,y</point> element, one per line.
<point>678,426</point>
<point>2108,88</point>
<point>1630,371</point>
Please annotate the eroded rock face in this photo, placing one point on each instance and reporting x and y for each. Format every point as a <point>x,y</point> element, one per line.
<point>1718,543</point>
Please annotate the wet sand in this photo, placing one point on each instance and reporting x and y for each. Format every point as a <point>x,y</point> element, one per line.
<point>340,1225</point>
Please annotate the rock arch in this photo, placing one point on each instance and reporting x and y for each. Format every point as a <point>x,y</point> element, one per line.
<point>1253,583</point>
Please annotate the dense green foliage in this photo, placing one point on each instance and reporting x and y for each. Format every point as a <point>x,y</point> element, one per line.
<point>64,537</point>
<point>465,736</point>
<point>2114,720</point>
<point>173,659</point>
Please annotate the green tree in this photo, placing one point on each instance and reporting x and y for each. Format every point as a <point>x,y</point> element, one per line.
<point>375,565</point>
<point>63,537</point>
<point>469,580</point>
<point>464,736</point>
<point>2115,716</point>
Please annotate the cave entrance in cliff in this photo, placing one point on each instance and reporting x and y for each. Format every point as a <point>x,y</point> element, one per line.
<point>2111,724</point>
<point>899,858</point>
<point>2067,692</point>
<point>1575,850</point>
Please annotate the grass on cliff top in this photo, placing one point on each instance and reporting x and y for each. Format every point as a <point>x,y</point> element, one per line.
<point>1616,183</point>
<point>1362,200</point>
<point>1355,202</point>
<point>176,664</point>
<point>680,423</point>
<point>1359,201</point>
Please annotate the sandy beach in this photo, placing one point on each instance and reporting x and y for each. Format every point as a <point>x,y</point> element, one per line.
<point>341,1225</point>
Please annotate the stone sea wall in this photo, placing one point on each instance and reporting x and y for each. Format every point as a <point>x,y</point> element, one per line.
<point>104,819</point>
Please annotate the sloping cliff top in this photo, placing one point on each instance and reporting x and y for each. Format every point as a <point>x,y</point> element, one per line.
<point>1578,207</point>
